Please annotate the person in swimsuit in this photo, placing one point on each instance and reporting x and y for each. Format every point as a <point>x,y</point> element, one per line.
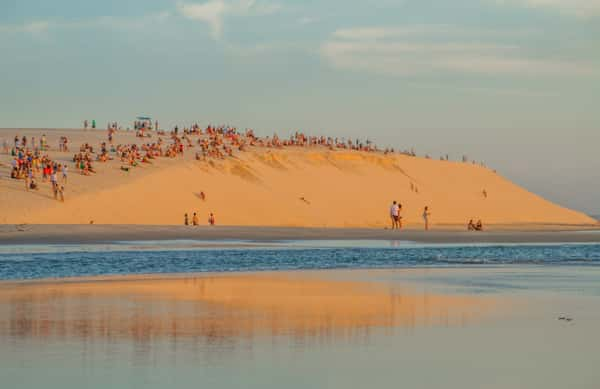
<point>426,215</point>
<point>394,213</point>
<point>399,217</point>
<point>186,222</point>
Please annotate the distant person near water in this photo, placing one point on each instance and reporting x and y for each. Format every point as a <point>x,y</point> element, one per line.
<point>475,227</point>
<point>394,214</point>
<point>399,222</point>
<point>211,219</point>
<point>426,215</point>
<point>186,221</point>
<point>195,220</point>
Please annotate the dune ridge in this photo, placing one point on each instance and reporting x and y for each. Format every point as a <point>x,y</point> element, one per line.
<point>295,186</point>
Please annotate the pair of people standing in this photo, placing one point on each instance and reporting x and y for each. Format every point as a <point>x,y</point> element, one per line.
<point>195,220</point>
<point>396,217</point>
<point>395,210</point>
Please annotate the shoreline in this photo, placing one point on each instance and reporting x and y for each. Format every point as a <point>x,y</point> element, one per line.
<point>11,234</point>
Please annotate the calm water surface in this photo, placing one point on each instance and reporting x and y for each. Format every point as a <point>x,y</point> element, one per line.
<point>350,315</point>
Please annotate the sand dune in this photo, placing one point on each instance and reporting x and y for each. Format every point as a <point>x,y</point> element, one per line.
<point>311,187</point>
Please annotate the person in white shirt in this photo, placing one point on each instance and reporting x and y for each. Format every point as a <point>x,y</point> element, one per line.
<point>64,173</point>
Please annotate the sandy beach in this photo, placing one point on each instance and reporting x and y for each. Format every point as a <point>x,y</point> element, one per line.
<point>289,186</point>
<point>73,234</point>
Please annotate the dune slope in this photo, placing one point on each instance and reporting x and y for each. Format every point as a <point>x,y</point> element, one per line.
<point>284,187</point>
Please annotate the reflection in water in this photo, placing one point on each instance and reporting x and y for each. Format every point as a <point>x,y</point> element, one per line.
<point>219,309</point>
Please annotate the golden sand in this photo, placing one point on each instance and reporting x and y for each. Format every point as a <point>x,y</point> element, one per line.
<point>309,187</point>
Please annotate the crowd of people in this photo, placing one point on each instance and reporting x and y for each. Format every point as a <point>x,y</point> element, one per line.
<point>211,142</point>
<point>30,162</point>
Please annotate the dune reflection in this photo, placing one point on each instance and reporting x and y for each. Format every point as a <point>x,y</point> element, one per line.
<point>220,307</point>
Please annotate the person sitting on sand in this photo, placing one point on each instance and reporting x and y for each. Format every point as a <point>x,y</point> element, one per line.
<point>211,219</point>
<point>479,226</point>
<point>33,185</point>
<point>195,220</point>
<point>426,215</point>
<point>471,225</point>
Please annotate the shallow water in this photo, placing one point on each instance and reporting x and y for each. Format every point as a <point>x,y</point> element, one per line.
<point>418,328</point>
<point>360,314</point>
<point>29,262</point>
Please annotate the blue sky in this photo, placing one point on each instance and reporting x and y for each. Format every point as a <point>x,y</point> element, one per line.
<point>515,83</point>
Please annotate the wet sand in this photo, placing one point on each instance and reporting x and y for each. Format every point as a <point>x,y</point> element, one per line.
<point>82,234</point>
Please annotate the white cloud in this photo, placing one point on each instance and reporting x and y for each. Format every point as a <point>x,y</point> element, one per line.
<point>419,50</point>
<point>580,8</point>
<point>213,12</point>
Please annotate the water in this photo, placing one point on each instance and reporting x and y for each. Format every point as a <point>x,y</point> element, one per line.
<point>361,314</point>
<point>57,261</point>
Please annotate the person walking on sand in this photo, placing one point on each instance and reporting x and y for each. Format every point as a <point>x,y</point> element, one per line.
<point>186,222</point>
<point>211,219</point>
<point>394,212</point>
<point>54,184</point>
<point>195,220</point>
<point>64,170</point>
<point>426,215</point>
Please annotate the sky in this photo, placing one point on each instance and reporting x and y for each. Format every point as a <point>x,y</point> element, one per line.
<point>513,83</point>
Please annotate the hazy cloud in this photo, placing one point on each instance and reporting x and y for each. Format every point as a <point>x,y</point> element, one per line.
<point>214,12</point>
<point>580,8</point>
<point>419,49</point>
<point>35,27</point>
<point>43,26</point>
